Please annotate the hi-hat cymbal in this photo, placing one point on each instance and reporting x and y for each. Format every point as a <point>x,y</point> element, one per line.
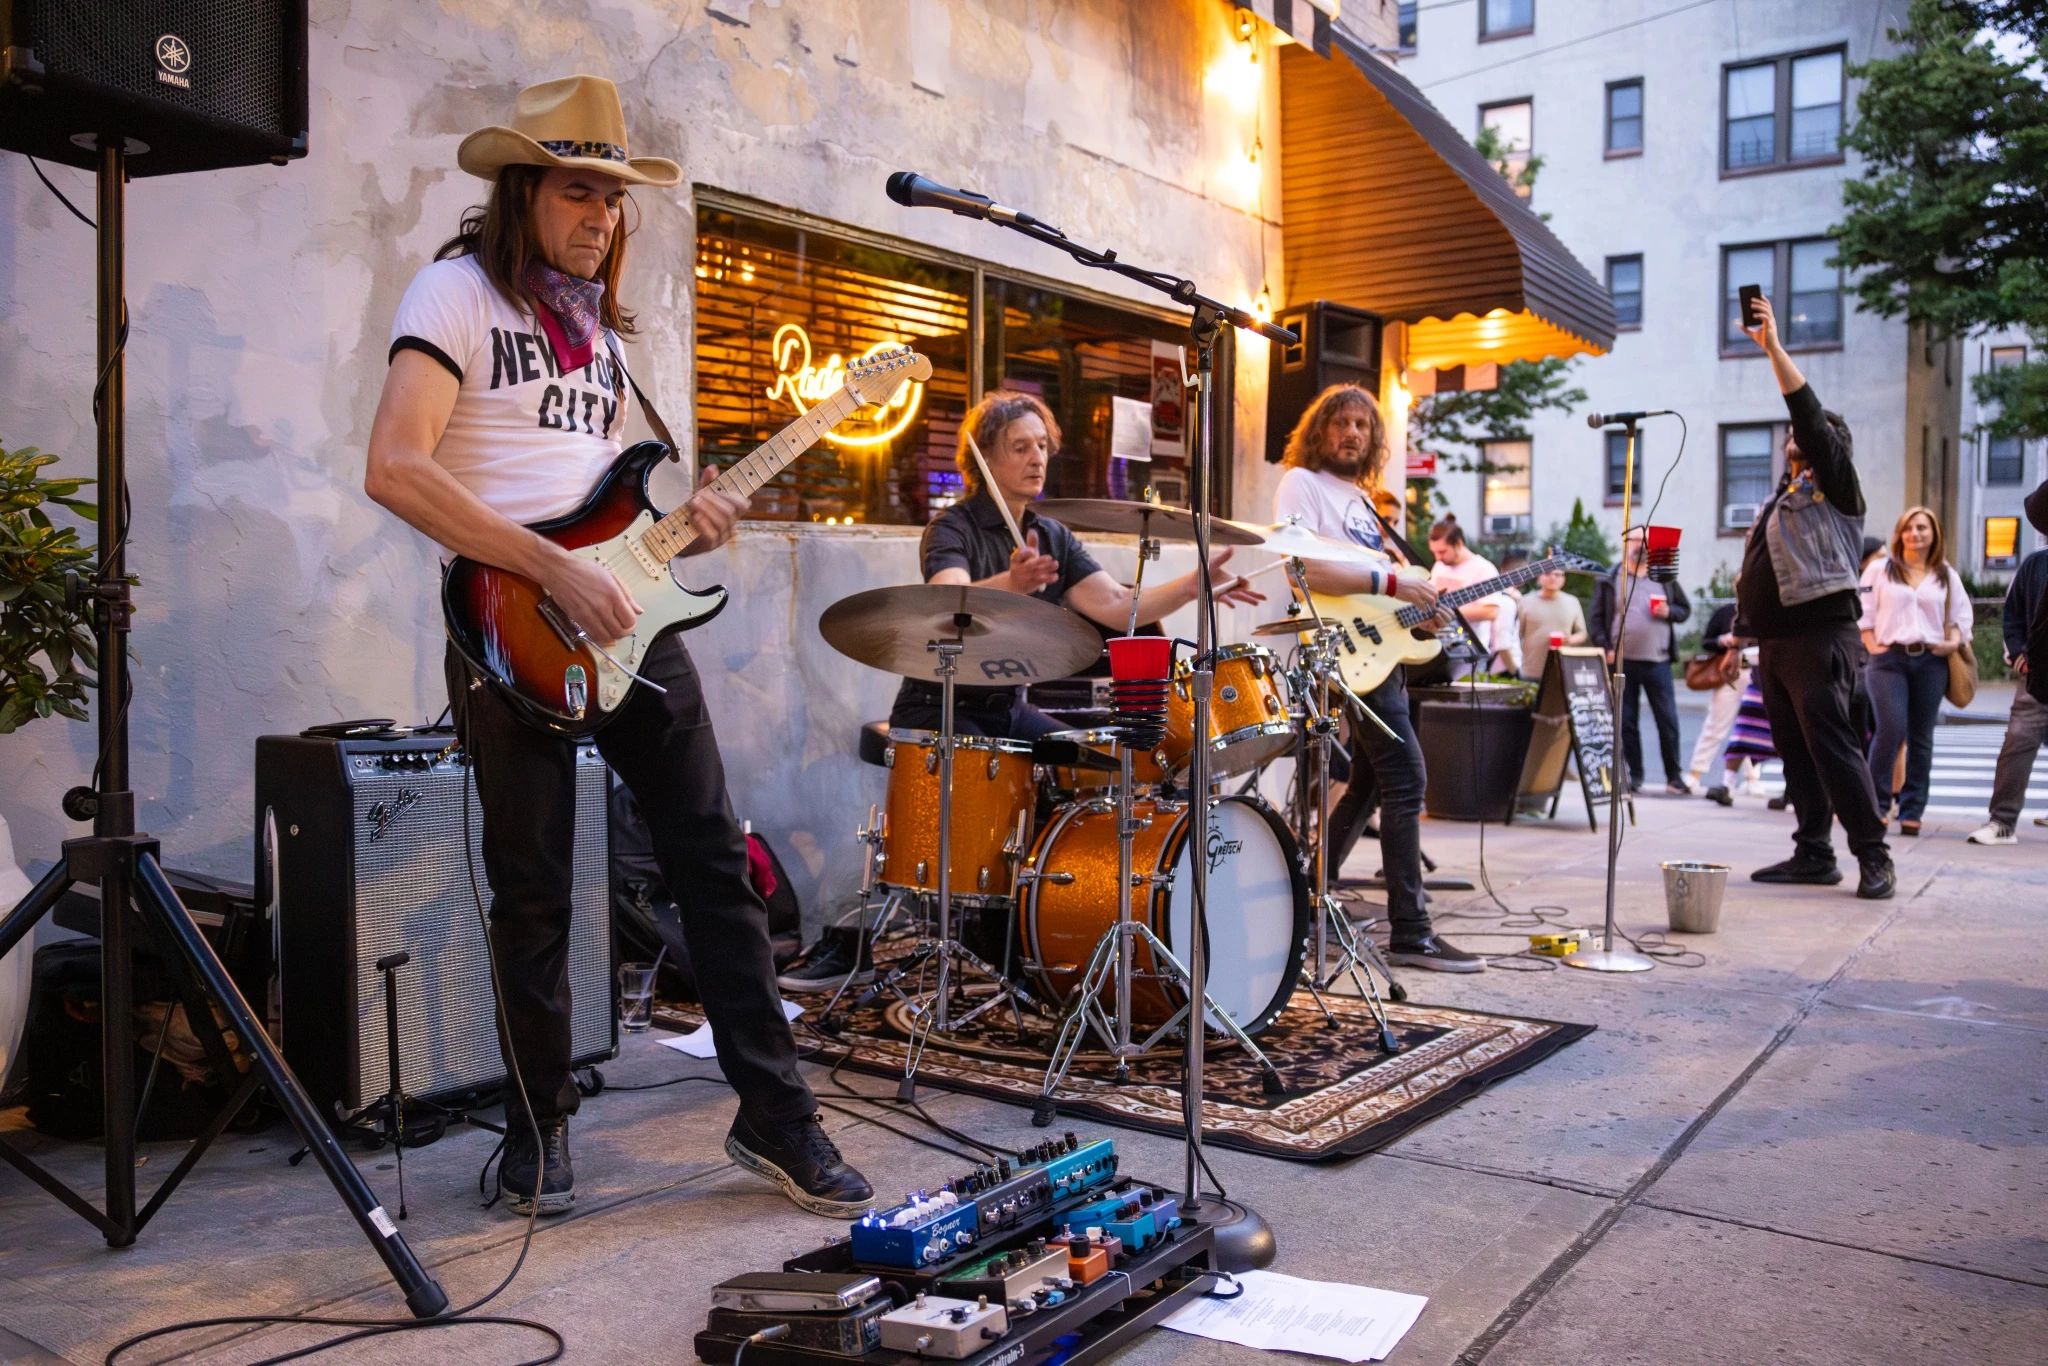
<point>1006,638</point>
<point>1160,522</point>
<point>1298,542</point>
<point>1286,626</point>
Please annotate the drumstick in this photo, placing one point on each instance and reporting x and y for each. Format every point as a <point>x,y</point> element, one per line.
<point>989,482</point>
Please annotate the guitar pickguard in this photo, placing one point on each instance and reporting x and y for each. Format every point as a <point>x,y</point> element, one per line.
<point>664,604</point>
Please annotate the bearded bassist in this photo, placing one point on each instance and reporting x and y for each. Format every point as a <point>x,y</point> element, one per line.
<point>503,407</point>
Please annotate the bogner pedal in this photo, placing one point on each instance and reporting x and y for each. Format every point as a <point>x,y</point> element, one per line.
<point>934,1326</point>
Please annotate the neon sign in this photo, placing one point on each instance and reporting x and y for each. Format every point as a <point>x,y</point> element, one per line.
<point>802,383</point>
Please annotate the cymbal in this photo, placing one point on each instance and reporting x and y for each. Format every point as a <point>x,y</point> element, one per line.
<point>1286,626</point>
<point>1007,638</point>
<point>1157,520</point>
<point>1298,542</point>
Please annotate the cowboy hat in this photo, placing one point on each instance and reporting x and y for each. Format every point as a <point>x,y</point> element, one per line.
<point>575,121</point>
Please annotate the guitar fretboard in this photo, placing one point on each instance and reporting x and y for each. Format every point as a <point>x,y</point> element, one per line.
<point>1412,615</point>
<point>673,534</point>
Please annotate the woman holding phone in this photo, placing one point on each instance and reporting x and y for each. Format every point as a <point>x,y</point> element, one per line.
<point>1916,613</point>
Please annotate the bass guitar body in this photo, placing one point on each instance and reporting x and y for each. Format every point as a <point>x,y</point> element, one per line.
<point>1372,642</point>
<point>521,642</point>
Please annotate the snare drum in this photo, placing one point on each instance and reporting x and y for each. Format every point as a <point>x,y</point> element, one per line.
<point>1248,721</point>
<point>1146,771</point>
<point>1258,905</point>
<point>995,795</point>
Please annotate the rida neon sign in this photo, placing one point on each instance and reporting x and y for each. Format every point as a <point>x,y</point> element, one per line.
<point>802,383</point>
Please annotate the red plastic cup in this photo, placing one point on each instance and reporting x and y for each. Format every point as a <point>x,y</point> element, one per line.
<point>1135,659</point>
<point>1557,640</point>
<point>1658,538</point>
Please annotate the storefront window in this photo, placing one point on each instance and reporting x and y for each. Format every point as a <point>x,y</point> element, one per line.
<point>782,307</point>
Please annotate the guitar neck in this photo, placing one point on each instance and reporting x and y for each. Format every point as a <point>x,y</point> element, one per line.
<point>673,534</point>
<point>1458,597</point>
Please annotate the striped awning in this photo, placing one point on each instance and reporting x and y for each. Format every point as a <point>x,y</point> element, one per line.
<point>1386,207</point>
<point>1305,21</point>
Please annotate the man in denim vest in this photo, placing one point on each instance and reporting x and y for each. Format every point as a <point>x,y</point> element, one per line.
<point>1797,591</point>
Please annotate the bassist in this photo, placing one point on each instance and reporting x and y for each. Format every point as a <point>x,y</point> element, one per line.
<point>503,404</point>
<point>1334,455</point>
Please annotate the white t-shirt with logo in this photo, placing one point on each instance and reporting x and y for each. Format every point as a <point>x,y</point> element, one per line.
<point>1329,505</point>
<point>529,441</point>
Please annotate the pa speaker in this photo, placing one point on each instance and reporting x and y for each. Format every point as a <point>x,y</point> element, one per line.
<point>360,853</point>
<point>190,85</point>
<point>1338,346</point>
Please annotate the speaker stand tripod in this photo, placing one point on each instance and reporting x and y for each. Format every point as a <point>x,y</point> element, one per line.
<point>123,862</point>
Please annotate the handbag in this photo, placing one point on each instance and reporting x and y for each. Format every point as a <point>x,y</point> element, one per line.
<point>1705,672</point>
<point>1962,665</point>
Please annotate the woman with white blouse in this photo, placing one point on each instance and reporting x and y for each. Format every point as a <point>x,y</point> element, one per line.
<point>1916,613</point>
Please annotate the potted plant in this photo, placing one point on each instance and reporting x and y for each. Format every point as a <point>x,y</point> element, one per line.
<point>48,658</point>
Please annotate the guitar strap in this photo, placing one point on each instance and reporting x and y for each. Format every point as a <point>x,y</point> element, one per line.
<point>1408,552</point>
<point>654,421</point>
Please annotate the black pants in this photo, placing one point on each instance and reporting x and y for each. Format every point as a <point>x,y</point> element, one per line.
<point>663,747</point>
<point>1652,676</point>
<point>1905,692</point>
<point>1806,681</point>
<point>1386,770</point>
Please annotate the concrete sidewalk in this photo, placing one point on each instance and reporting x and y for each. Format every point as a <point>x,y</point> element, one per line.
<point>1824,1143</point>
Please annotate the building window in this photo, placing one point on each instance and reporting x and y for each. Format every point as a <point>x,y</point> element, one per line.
<point>1786,111</point>
<point>1506,18</point>
<point>2005,460</point>
<point>1406,21</point>
<point>1625,288</point>
<point>1504,499</point>
<point>1617,464</point>
<point>2007,357</point>
<point>2001,542</point>
<point>782,305</point>
<point>1748,469</point>
<point>1804,288</point>
<point>1625,118</point>
<point>1514,126</point>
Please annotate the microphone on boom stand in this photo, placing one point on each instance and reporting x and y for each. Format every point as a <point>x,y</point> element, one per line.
<point>1599,420</point>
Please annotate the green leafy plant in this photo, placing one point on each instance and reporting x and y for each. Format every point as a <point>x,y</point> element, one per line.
<point>47,655</point>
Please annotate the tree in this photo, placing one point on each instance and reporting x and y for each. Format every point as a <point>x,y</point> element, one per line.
<point>1582,536</point>
<point>1949,224</point>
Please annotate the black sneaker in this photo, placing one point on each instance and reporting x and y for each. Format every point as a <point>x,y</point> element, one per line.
<point>1720,796</point>
<point>804,1162</point>
<point>546,1157</point>
<point>840,957</point>
<point>1678,787</point>
<point>1877,882</point>
<point>1778,803</point>
<point>1434,954</point>
<point>1802,869</point>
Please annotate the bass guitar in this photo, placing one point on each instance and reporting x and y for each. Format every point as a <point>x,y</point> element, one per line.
<point>522,642</point>
<point>1376,634</point>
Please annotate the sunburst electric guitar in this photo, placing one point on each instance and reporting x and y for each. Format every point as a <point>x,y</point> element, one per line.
<point>1375,634</point>
<point>522,642</point>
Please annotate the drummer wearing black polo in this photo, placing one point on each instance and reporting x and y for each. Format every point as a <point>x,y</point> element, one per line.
<point>969,543</point>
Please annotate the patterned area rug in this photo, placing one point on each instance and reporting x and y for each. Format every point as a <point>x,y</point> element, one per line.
<point>1341,1095</point>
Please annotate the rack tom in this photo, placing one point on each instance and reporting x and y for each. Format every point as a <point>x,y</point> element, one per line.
<point>1248,722</point>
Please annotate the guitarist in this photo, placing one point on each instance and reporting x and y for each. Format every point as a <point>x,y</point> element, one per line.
<point>1334,457</point>
<point>503,405</point>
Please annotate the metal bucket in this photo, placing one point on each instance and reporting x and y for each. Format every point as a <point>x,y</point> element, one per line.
<point>1692,895</point>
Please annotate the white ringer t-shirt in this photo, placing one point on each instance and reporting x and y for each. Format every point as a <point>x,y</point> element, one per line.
<point>527,440</point>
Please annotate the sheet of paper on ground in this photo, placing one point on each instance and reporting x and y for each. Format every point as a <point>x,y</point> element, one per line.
<point>697,1043</point>
<point>1288,1314</point>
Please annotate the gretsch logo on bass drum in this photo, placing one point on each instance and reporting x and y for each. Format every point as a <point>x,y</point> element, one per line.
<point>173,60</point>
<point>1221,848</point>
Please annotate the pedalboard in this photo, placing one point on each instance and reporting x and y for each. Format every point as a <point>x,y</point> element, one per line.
<point>931,1226</point>
<point>934,1326</point>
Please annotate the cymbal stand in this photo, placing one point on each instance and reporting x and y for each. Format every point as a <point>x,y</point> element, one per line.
<point>1356,957</point>
<point>934,1012</point>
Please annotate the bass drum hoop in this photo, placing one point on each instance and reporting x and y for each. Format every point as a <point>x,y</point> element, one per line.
<point>1297,882</point>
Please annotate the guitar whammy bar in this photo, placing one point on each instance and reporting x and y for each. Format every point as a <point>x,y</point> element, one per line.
<point>991,1268</point>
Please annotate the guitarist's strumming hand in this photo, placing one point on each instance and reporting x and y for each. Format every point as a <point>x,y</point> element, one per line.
<point>592,596</point>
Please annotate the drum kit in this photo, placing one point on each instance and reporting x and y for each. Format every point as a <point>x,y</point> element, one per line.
<point>1055,872</point>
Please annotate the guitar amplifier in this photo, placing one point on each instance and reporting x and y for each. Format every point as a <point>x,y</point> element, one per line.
<point>359,854</point>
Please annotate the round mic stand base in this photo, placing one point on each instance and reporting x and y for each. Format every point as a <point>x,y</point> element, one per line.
<point>1244,1240</point>
<point>1609,960</point>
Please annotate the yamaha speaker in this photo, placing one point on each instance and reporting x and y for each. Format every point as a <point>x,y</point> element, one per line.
<point>1338,346</point>
<point>192,85</point>
<point>359,851</point>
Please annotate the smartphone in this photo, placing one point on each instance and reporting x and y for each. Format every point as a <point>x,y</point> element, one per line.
<point>1746,305</point>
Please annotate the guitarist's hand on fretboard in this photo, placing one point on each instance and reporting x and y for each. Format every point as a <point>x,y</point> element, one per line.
<point>713,514</point>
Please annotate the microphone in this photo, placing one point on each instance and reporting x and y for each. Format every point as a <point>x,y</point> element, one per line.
<point>913,191</point>
<point>1599,420</point>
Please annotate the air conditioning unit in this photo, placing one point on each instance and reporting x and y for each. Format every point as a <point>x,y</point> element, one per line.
<point>1504,524</point>
<point>1735,515</point>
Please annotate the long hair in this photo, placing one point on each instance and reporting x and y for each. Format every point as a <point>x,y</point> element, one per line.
<point>1305,442</point>
<point>986,422</point>
<point>1937,561</point>
<point>499,233</point>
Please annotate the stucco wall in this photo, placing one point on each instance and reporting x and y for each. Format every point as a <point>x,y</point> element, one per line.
<point>275,595</point>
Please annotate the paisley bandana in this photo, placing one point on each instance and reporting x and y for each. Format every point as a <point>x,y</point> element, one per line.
<point>568,313</point>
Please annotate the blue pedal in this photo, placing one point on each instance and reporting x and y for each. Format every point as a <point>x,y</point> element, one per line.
<point>914,1234</point>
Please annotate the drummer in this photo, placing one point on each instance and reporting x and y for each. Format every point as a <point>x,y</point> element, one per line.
<point>969,543</point>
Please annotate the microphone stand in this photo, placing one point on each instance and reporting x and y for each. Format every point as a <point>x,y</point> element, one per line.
<point>1243,1239</point>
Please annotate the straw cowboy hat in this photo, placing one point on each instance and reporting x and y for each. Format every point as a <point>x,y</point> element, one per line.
<point>575,121</point>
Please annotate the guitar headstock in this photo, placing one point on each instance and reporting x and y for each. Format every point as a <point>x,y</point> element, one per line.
<point>1572,563</point>
<point>874,379</point>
